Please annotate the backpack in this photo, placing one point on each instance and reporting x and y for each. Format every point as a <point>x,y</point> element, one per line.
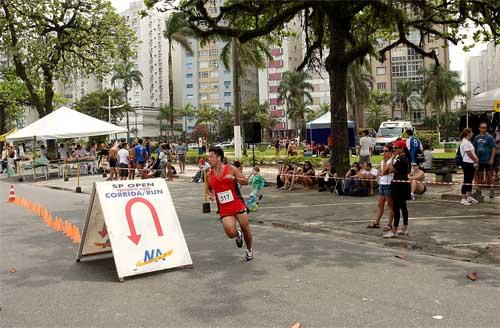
<point>419,154</point>
<point>458,157</point>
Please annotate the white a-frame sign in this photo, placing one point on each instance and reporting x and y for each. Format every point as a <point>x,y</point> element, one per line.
<point>137,222</point>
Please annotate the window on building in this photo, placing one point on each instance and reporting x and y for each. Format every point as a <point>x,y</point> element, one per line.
<point>189,85</point>
<point>203,74</point>
<point>214,63</point>
<point>214,74</point>
<point>189,75</point>
<point>380,70</point>
<point>227,105</point>
<point>213,52</point>
<point>189,65</point>
<point>214,85</point>
<point>227,94</point>
<point>203,53</point>
<point>204,85</point>
<point>214,95</point>
<point>381,86</point>
<point>203,64</point>
<point>227,84</point>
<point>203,96</point>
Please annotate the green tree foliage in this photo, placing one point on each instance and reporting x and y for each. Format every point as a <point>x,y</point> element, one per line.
<point>295,90</point>
<point>13,96</point>
<point>125,72</point>
<point>60,39</point>
<point>406,94</point>
<point>440,87</point>
<point>449,124</point>
<point>359,82</point>
<point>178,31</point>
<point>253,111</point>
<point>376,109</point>
<point>349,29</point>
<point>324,108</point>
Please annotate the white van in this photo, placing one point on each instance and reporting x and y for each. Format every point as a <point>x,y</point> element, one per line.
<point>388,132</point>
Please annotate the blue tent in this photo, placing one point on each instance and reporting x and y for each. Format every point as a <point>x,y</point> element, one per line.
<point>319,130</point>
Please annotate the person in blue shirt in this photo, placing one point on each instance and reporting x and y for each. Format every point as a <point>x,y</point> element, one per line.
<point>484,145</point>
<point>141,155</point>
<point>414,147</point>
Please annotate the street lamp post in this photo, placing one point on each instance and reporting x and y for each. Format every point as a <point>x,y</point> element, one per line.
<point>109,110</point>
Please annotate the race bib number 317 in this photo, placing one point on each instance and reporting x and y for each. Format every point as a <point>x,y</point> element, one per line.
<point>225,197</point>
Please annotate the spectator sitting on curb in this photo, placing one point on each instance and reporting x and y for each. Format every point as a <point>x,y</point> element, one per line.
<point>417,181</point>
<point>285,171</point>
<point>326,179</point>
<point>368,173</point>
<point>304,175</point>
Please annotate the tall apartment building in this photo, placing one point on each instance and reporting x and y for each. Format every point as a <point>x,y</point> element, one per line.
<point>403,63</point>
<point>483,71</point>
<point>320,81</point>
<point>287,57</point>
<point>151,60</point>
<point>202,80</point>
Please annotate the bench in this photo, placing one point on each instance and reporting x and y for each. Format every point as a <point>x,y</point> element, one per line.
<point>443,168</point>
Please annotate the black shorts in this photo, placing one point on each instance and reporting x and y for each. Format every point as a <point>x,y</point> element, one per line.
<point>484,167</point>
<point>241,212</point>
<point>112,162</point>
<point>123,171</point>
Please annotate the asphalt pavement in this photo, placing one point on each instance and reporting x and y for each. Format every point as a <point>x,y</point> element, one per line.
<point>316,278</point>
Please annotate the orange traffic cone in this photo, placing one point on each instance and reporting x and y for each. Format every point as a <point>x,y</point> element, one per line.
<point>12,195</point>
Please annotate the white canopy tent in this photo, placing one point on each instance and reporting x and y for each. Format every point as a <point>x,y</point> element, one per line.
<point>484,102</point>
<point>65,123</point>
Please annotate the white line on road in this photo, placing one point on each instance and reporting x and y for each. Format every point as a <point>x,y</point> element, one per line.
<point>336,204</point>
<point>428,218</point>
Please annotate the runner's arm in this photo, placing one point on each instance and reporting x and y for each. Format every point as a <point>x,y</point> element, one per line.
<point>239,177</point>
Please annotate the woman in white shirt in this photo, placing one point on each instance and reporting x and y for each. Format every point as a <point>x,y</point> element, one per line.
<point>384,190</point>
<point>469,159</point>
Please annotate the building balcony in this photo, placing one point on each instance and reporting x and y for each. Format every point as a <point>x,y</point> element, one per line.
<point>275,76</point>
<point>275,101</point>
<point>277,113</point>
<point>276,64</point>
<point>277,51</point>
<point>274,88</point>
<point>279,126</point>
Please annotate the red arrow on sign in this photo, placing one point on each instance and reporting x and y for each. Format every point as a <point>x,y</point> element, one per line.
<point>104,232</point>
<point>134,237</point>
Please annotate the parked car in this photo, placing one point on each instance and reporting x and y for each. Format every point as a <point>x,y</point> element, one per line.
<point>225,144</point>
<point>193,146</point>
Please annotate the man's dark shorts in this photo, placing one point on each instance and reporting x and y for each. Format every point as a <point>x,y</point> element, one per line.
<point>485,167</point>
<point>112,162</point>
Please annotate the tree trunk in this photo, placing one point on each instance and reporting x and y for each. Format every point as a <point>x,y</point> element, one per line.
<point>128,121</point>
<point>3,120</point>
<point>360,116</point>
<point>236,101</point>
<point>48,86</point>
<point>336,65</point>
<point>170,91</point>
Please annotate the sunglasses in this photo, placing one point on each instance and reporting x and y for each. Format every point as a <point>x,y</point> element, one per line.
<point>386,150</point>
<point>395,148</point>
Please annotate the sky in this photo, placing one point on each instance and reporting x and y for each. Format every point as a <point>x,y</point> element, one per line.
<point>457,56</point>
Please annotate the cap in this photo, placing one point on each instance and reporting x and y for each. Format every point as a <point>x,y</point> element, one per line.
<point>399,144</point>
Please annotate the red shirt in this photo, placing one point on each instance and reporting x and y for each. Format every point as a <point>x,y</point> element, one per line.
<point>226,192</point>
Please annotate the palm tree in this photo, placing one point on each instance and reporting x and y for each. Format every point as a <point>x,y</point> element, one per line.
<point>405,93</point>
<point>125,72</point>
<point>324,108</point>
<point>376,108</point>
<point>163,115</point>
<point>359,82</point>
<point>236,57</point>
<point>440,86</point>
<point>186,112</point>
<point>294,89</point>
<point>208,115</point>
<point>176,29</point>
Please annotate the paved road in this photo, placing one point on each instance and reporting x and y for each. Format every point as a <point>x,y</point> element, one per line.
<point>296,276</point>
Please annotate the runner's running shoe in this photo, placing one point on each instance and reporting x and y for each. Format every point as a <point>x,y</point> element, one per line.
<point>249,255</point>
<point>239,239</point>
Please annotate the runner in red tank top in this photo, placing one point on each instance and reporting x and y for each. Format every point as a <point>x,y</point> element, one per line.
<point>222,185</point>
